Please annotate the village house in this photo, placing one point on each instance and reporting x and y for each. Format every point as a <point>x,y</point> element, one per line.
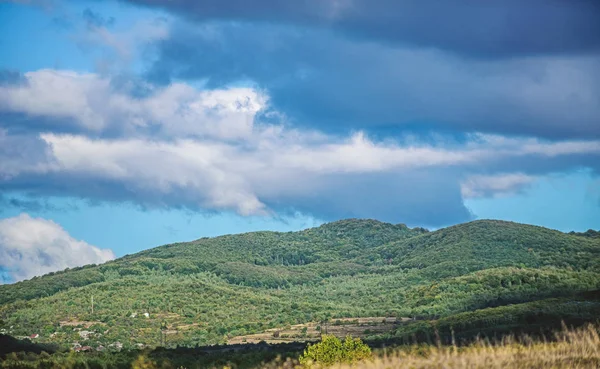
<point>116,346</point>
<point>85,334</point>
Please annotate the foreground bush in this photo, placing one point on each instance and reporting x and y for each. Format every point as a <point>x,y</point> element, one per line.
<point>332,350</point>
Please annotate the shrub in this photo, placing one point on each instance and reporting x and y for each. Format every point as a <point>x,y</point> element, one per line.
<point>332,350</point>
<point>142,362</point>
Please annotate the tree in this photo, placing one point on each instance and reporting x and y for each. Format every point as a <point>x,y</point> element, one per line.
<point>331,350</point>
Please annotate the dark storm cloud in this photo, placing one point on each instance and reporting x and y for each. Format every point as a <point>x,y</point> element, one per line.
<point>492,28</point>
<point>19,152</point>
<point>318,78</point>
<point>32,203</point>
<point>417,198</point>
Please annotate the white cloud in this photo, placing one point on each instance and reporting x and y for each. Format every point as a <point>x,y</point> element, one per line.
<point>358,154</point>
<point>53,94</point>
<point>34,246</point>
<point>222,175</point>
<point>508,146</point>
<point>495,185</point>
<point>182,146</point>
<point>89,102</point>
<point>207,174</point>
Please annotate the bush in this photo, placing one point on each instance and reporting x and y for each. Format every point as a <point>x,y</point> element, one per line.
<point>332,350</point>
<point>142,362</point>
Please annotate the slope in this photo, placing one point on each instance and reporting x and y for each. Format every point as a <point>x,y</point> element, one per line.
<point>325,247</point>
<point>485,244</point>
<point>207,290</point>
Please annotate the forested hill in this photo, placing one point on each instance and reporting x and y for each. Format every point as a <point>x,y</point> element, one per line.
<point>330,247</point>
<point>212,288</point>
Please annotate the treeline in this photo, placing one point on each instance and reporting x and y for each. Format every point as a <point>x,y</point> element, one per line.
<point>535,319</point>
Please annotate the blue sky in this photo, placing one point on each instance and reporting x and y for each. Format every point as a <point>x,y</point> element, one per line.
<point>126,125</point>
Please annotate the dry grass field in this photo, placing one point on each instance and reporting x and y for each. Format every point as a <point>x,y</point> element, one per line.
<point>579,348</point>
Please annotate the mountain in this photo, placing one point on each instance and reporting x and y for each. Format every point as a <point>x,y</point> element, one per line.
<point>204,291</point>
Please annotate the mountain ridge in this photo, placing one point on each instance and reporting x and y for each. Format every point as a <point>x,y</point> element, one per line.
<point>211,288</point>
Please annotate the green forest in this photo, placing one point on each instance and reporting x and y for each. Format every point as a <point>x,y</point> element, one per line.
<point>483,277</point>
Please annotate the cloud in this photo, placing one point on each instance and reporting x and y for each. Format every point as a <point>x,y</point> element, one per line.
<point>27,204</point>
<point>227,149</point>
<point>282,174</point>
<point>495,185</point>
<point>321,79</point>
<point>491,29</point>
<point>185,172</point>
<point>19,152</point>
<point>98,105</point>
<point>34,246</point>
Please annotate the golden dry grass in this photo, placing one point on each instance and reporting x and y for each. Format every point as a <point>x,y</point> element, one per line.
<point>578,348</point>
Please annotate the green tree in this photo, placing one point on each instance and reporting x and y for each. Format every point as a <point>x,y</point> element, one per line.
<point>332,350</point>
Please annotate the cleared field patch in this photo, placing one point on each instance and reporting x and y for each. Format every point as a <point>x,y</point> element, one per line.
<point>77,323</point>
<point>309,332</point>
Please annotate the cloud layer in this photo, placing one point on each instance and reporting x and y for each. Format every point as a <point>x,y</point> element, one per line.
<point>494,28</point>
<point>34,246</point>
<point>98,105</point>
<point>495,185</point>
<point>227,149</point>
<point>322,79</point>
<point>335,109</point>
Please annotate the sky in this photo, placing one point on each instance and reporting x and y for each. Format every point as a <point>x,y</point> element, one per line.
<point>125,125</point>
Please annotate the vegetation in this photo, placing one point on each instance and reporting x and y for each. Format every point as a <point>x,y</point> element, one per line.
<point>572,349</point>
<point>483,276</point>
<point>537,318</point>
<point>10,344</point>
<point>589,233</point>
<point>332,350</point>
<point>569,348</point>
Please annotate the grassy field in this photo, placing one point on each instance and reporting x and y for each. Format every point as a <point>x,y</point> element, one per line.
<point>575,348</point>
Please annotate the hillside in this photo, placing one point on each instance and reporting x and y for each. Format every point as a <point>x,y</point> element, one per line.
<point>212,289</point>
